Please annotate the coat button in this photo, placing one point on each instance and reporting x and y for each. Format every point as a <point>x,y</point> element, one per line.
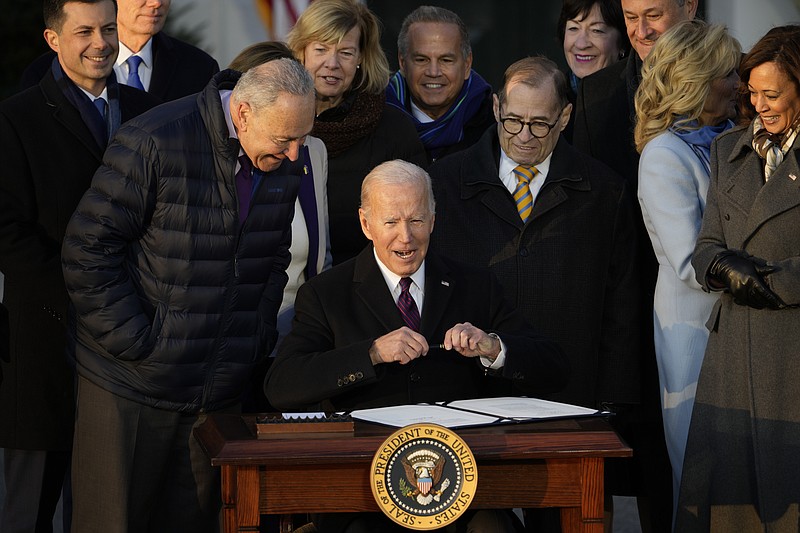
<point>339,383</point>
<point>727,216</point>
<point>415,377</point>
<point>360,375</point>
<point>523,252</point>
<point>352,378</point>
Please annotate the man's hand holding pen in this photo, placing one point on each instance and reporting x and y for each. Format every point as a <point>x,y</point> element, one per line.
<point>403,345</point>
<point>470,341</point>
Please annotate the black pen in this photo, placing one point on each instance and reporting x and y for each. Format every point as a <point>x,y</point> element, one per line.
<point>439,346</point>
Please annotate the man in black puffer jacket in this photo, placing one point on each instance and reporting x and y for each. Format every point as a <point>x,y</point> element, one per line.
<point>176,279</point>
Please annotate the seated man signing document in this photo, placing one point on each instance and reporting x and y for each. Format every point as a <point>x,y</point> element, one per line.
<point>401,325</point>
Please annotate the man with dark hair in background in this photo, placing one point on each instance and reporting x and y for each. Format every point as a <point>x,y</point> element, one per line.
<point>450,103</point>
<point>149,59</point>
<point>53,137</point>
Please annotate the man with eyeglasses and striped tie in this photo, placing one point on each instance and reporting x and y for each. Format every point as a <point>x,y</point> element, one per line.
<point>554,225</point>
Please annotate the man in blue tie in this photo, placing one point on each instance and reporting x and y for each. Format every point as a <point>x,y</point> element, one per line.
<point>399,324</point>
<point>53,138</point>
<point>153,61</point>
<point>149,59</point>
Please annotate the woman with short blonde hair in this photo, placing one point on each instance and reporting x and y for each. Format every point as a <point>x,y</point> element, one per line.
<point>338,41</point>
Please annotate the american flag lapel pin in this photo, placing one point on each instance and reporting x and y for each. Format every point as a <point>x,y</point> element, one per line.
<point>305,169</point>
<point>445,283</point>
<point>793,177</point>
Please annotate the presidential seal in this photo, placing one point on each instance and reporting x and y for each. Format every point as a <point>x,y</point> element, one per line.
<point>424,476</point>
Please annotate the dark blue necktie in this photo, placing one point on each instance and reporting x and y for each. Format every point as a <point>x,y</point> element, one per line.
<point>244,186</point>
<point>133,72</point>
<point>100,105</point>
<point>407,305</point>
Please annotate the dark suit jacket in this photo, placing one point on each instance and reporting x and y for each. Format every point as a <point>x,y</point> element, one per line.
<point>569,269</point>
<point>605,117</point>
<point>179,69</point>
<point>46,164</point>
<point>343,310</point>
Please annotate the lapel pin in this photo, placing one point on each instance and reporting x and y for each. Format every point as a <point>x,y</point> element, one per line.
<point>793,177</point>
<point>305,169</point>
<point>445,283</point>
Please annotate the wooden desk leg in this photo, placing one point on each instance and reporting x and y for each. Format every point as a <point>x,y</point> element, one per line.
<point>588,518</point>
<point>240,491</point>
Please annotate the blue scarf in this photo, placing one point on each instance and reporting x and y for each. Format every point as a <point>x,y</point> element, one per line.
<point>699,140</point>
<point>449,128</point>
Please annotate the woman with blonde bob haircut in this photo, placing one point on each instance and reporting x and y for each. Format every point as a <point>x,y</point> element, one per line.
<point>338,41</point>
<point>686,98</point>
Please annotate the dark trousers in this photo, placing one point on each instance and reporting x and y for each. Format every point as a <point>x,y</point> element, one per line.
<point>34,480</point>
<point>138,469</point>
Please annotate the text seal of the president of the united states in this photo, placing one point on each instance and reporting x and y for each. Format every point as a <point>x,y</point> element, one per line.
<point>424,476</point>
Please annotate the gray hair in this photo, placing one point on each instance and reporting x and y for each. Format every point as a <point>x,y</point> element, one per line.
<point>397,172</point>
<point>261,85</point>
<point>536,72</point>
<point>434,14</point>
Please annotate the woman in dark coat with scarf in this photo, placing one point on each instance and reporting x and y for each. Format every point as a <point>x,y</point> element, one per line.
<point>338,41</point>
<point>743,451</point>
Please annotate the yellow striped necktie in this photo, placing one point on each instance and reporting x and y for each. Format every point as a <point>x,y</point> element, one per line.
<point>522,194</point>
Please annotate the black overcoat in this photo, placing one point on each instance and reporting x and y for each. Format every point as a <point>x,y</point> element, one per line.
<point>46,164</point>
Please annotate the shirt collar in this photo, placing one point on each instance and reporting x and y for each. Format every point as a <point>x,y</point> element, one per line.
<point>92,98</point>
<point>146,53</point>
<point>393,280</point>
<point>507,166</point>
<point>419,114</point>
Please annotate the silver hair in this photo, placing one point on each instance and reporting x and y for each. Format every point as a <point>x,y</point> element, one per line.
<point>434,14</point>
<point>397,172</point>
<point>261,85</point>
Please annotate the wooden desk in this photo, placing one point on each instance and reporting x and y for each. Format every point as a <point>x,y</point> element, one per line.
<point>542,464</point>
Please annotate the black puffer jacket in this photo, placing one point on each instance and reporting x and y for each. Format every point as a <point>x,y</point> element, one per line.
<point>175,300</point>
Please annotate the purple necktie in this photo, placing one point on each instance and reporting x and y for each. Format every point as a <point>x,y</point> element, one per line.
<point>408,308</point>
<point>244,186</point>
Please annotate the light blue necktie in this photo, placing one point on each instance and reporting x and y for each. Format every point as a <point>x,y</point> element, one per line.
<point>133,72</point>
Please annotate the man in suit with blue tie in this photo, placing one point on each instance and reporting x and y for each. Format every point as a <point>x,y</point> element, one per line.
<point>149,59</point>
<point>153,61</point>
<point>53,137</point>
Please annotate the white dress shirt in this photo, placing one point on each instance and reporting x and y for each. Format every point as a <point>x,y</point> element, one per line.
<point>417,291</point>
<point>509,179</point>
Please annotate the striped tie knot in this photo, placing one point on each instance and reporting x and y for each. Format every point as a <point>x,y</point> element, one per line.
<point>522,194</point>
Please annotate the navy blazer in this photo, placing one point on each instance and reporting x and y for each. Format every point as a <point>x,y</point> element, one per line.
<point>339,313</point>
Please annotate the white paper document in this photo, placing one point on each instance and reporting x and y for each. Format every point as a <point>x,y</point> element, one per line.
<point>523,408</point>
<point>403,415</point>
<point>478,412</point>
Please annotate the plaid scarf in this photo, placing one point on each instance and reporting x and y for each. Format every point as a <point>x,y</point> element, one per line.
<point>773,147</point>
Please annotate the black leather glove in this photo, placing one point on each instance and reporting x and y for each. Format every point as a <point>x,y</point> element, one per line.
<point>744,278</point>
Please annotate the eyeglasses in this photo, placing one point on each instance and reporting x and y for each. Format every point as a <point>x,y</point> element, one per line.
<point>537,128</point>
